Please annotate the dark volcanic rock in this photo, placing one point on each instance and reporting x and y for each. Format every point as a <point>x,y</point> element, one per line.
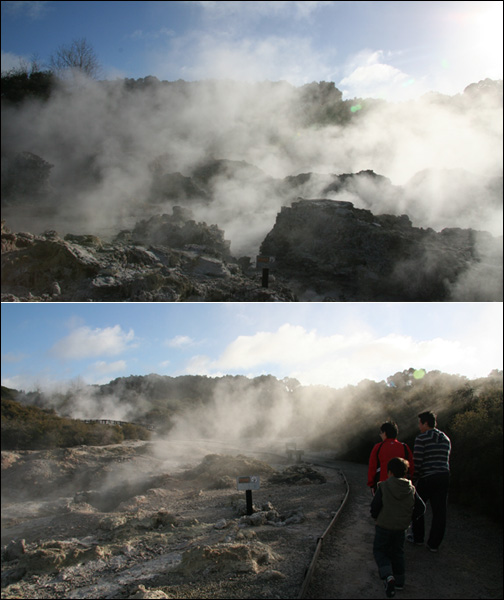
<point>164,259</point>
<point>323,249</point>
<point>343,253</point>
<point>25,175</point>
<point>179,230</point>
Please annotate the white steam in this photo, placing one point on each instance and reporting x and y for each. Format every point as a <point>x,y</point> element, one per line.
<point>102,137</point>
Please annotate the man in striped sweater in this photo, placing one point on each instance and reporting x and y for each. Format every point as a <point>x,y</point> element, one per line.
<point>432,475</point>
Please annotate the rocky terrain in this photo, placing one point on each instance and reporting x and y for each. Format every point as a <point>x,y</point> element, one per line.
<point>342,252</point>
<point>319,250</point>
<point>168,191</point>
<point>163,259</point>
<point>139,521</point>
<point>165,520</point>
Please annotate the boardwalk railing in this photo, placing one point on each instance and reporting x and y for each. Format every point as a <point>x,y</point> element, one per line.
<point>120,423</point>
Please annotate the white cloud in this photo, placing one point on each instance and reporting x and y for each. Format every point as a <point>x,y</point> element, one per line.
<point>244,58</point>
<point>34,10</point>
<point>36,381</point>
<point>370,76</point>
<point>290,345</point>
<point>141,35</point>
<point>230,43</point>
<point>12,357</point>
<point>285,9</point>
<point>12,61</point>
<point>84,342</point>
<point>16,382</point>
<point>200,365</point>
<point>339,360</point>
<point>105,368</point>
<point>101,371</point>
<point>179,341</point>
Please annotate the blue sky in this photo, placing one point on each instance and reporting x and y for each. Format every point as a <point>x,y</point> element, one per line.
<point>369,49</point>
<point>330,344</point>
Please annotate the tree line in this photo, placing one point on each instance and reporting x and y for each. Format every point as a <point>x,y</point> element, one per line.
<point>316,104</point>
<point>345,421</point>
<point>33,81</point>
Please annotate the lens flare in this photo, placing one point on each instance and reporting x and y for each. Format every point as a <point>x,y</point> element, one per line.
<point>410,81</point>
<point>419,374</point>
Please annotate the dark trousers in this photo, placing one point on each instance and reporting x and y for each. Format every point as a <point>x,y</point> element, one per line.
<point>434,489</point>
<point>388,552</point>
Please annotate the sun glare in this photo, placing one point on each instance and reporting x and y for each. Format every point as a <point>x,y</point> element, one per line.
<point>489,33</point>
<point>485,38</point>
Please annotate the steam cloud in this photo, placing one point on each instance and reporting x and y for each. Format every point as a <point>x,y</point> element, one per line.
<point>208,415</point>
<point>231,410</point>
<point>102,137</point>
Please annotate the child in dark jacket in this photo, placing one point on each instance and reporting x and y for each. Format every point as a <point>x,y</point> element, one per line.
<point>394,506</point>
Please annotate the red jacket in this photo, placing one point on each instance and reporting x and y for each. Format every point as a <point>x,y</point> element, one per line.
<point>387,450</point>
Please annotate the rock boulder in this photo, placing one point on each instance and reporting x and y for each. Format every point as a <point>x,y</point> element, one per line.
<point>341,252</point>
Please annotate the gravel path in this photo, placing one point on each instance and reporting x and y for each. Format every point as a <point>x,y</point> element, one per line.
<point>468,564</point>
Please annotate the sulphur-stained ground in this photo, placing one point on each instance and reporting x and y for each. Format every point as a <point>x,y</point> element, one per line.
<point>124,522</point>
<point>159,520</point>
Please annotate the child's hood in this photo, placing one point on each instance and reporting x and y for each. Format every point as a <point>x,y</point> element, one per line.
<point>400,488</point>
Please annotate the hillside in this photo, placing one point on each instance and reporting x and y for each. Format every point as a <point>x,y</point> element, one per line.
<point>345,421</point>
<point>28,427</point>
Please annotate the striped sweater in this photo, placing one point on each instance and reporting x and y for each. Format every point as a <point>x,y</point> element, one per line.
<point>431,453</point>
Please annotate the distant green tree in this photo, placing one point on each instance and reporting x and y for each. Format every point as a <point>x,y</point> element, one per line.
<point>20,84</point>
<point>131,431</point>
<point>321,104</point>
<point>476,462</point>
<point>402,378</point>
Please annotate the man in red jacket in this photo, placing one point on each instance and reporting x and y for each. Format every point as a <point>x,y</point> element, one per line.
<point>382,452</point>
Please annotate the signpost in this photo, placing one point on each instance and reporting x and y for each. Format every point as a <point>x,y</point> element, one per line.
<point>265,263</point>
<point>248,483</point>
<point>292,451</point>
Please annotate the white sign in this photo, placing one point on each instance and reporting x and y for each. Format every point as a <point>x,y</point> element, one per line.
<point>248,482</point>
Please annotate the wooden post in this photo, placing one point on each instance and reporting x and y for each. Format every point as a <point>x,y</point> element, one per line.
<point>265,263</point>
<point>265,277</point>
<point>247,484</point>
<point>248,498</point>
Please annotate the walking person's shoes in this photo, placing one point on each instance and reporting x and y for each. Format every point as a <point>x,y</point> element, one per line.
<point>430,548</point>
<point>389,586</point>
<point>411,540</point>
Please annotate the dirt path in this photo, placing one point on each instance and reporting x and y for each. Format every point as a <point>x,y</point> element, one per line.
<point>468,565</point>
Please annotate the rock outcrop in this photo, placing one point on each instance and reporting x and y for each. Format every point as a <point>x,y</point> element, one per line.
<point>341,252</point>
<point>168,258</point>
<point>323,250</point>
<point>25,175</point>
